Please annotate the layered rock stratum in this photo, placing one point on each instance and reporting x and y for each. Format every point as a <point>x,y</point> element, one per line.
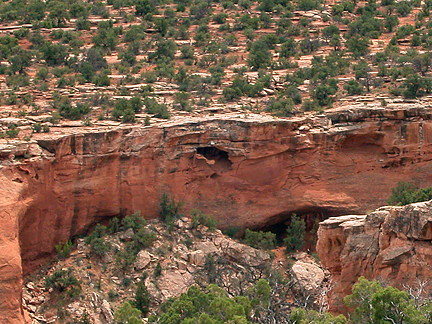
<point>391,244</point>
<point>246,170</point>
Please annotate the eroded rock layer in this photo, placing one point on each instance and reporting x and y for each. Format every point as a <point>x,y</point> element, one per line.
<point>246,171</point>
<point>392,244</point>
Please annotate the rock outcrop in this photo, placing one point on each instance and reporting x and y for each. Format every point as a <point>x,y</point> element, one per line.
<point>167,267</point>
<point>392,244</point>
<point>248,171</point>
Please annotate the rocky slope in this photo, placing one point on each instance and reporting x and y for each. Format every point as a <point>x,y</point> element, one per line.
<point>186,254</point>
<point>391,244</point>
<point>246,170</point>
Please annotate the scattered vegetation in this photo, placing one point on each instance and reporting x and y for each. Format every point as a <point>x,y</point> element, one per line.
<point>199,218</point>
<point>406,193</point>
<point>170,209</point>
<point>165,63</point>
<point>63,250</point>
<point>260,239</point>
<point>64,282</point>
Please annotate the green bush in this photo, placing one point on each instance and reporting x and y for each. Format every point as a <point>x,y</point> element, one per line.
<point>142,298</point>
<point>134,221</point>
<point>373,303</point>
<point>307,316</point>
<point>210,306</point>
<point>64,282</point>
<point>406,193</point>
<point>353,88</point>
<point>260,240</point>
<point>127,314</point>
<point>63,250</point>
<point>199,218</point>
<point>156,109</point>
<point>282,107</point>
<point>12,131</point>
<point>169,208</point>
<point>295,234</point>
<point>260,56</point>
<point>232,231</point>
<point>158,270</point>
<point>96,240</point>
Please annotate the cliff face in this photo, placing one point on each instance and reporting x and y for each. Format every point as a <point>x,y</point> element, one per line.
<point>390,244</point>
<point>246,172</point>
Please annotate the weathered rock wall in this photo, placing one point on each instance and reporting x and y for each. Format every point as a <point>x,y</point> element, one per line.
<point>392,244</point>
<point>248,173</point>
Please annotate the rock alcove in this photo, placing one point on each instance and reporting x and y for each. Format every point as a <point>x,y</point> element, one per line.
<point>311,215</point>
<point>217,158</point>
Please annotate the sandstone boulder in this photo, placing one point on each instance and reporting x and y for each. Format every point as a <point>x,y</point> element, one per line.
<point>142,260</point>
<point>308,276</point>
<point>243,254</point>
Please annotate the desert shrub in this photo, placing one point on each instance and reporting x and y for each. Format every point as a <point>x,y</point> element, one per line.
<point>96,240</point>
<point>169,208</point>
<point>374,303</point>
<point>295,234</point>
<point>187,52</point>
<point>353,87</point>
<point>156,109</point>
<point>82,24</point>
<point>134,221</point>
<point>306,316</point>
<point>142,298</point>
<point>125,109</point>
<point>307,5</point>
<point>63,250</point>
<point>64,282</point>
<point>199,218</point>
<point>114,225</point>
<point>125,258</point>
<point>181,101</point>
<point>282,107</point>
<point>158,270</point>
<point>37,127</point>
<point>212,305</point>
<point>406,193</point>
<point>260,240</point>
<point>416,86</point>
<point>231,93</point>
<point>12,131</point>
<point>232,231</point>
<point>54,54</point>
<point>17,80</point>
<point>71,112</point>
<point>358,46</point>
<point>260,56</point>
<point>127,314</point>
<point>142,239</point>
<point>323,92</point>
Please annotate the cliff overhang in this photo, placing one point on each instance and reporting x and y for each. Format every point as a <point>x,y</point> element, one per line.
<point>247,171</point>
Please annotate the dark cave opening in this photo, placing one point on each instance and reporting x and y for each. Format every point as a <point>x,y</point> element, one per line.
<point>312,216</point>
<point>219,158</point>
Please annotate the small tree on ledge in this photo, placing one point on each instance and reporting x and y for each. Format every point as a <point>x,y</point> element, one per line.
<point>294,240</point>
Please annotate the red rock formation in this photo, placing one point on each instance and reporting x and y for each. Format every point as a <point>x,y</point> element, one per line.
<point>249,173</point>
<point>391,244</point>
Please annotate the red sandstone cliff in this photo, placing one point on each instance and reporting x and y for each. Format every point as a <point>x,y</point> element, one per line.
<point>392,244</point>
<point>247,173</point>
